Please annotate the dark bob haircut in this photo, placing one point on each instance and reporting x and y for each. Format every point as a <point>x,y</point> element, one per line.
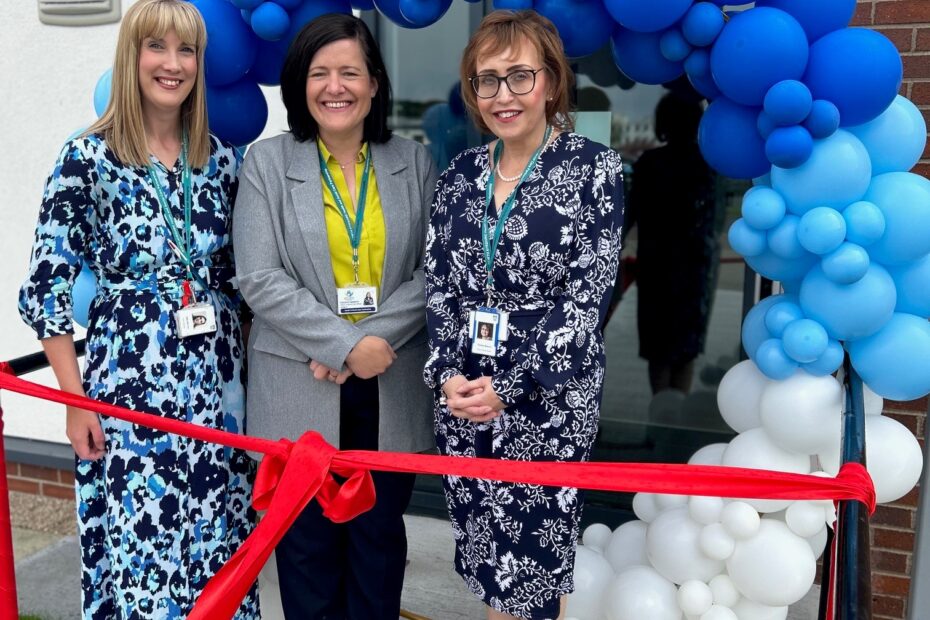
<point>322,31</point>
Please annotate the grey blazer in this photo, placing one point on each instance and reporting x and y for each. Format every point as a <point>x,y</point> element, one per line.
<point>285,275</point>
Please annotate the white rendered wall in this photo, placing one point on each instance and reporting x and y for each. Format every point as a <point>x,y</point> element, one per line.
<point>48,75</point>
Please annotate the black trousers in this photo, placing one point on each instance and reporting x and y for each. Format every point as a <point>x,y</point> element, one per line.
<point>354,570</point>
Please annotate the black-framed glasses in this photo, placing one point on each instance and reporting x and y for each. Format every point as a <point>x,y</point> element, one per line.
<point>520,82</point>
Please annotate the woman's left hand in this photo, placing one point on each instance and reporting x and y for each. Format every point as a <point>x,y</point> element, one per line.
<point>477,395</point>
<point>321,372</point>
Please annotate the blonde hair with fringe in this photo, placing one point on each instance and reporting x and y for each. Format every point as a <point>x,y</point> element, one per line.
<point>121,123</point>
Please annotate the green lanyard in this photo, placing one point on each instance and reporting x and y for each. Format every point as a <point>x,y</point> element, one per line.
<point>354,232</point>
<point>488,245</point>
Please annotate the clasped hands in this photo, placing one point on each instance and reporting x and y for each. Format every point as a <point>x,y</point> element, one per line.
<point>474,400</point>
<point>370,357</point>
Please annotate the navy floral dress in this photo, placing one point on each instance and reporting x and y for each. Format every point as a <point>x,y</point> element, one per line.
<point>158,514</point>
<point>554,272</point>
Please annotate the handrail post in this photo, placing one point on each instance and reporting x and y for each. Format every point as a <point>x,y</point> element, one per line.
<point>8,605</point>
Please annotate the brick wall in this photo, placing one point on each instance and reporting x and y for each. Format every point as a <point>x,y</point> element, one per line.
<point>40,480</point>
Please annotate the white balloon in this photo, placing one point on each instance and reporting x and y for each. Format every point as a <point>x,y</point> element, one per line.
<point>592,575</point>
<point>596,536</point>
<point>644,507</point>
<point>672,548</point>
<point>665,501</point>
<point>715,542</point>
<point>740,520</point>
<point>725,593</point>
<point>627,546</point>
<point>711,454</point>
<point>775,567</point>
<point>640,592</point>
<point>803,413</point>
<point>754,449</point>
<point>738,396</point>
<point>874,404</point>
<point>695,597</point>
<point>705,510</point>
<point>818,542</point>
<point>719,612</point>
<point>750,610</point>
<point>805,518</point>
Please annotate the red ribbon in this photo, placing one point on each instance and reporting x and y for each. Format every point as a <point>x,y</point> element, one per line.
<point>291,474</point>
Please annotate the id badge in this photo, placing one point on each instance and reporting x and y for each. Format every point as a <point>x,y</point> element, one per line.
<point>504,324</point>
<point>361,299</point>
<point>195,319</point>
<point>485,331</point>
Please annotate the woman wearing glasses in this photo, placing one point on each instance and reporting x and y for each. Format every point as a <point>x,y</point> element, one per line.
<point>524,236</point>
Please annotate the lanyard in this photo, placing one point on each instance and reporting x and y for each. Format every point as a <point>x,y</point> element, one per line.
<point>488,244</point>
<point>354,232</point>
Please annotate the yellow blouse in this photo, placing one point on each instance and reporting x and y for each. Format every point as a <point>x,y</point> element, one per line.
<point>371,247</point>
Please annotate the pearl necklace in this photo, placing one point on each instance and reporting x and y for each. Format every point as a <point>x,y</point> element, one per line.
<point>514,179</point>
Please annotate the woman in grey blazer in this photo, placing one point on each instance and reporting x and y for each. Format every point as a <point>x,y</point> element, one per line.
<point>329,232</point>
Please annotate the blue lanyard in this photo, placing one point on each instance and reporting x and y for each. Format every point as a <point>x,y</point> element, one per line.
<point>354,232</point>
<point>488,244</point>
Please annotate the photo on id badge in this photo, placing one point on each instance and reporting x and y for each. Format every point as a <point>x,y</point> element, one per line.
<point>357,299</point>
<point>484,332</point>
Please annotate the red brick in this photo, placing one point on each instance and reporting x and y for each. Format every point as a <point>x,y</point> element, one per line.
<point>920,93</point>
<point>57,490</point>
<point>884,538</point>
<point>916,67</point>
<point>887,606</point>
<point>890,561</point>
<point>12,469</point>
<point>66,476</point>
<point>890,584</point>
<point>39,473</point>
<point>923,40</point>
<point>24,486</point>
<point>863,15</point>
<point>919,405</point>
<point>907,419</point>
<point>895,517</point>
<point>909,500</point>
<point>902,12</point>
<point>922,169</point>
<point>903,38</point>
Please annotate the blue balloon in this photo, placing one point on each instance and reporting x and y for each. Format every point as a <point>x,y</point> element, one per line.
<point>639,57</point>
<point>369,5</point>
<point>895,139</point>
<point>513,5</point>
<point>763,208</point>
<point>584,25</point>
<point>102,91</point>
<point>764,180</point>
<point>82,295</point>
<point>773,361</point>
<point>673,45</point>
<point>392,9</point>
<point>270,21</point>
<point>753,331</point>
<point>824,119</point>
<point>289,5</point>
<point>821,230</point>
<point>231,46</point>
<point>837,173</point>
<point>730,141</point>
<point>647,16</point>
<point>702,24</point>
<point>865,223</point>
<point>757,49</point>
<point>846,264</point>
<point>788,103</point>
<point>268,63</point>
<point>789,147</point>
<point>912,281</point>
<point>783,238</point>
<point>857,69</point>
<point>849,311</point>
<point>246,5</point>
<point>895,362</point>
<point>746,240</point>
<point>904,200</point>
<point>785,270</point>
<point>780,315</point>
<point>766,125</point>
<point>805,341</point>
<point>704,84</point>
<point>237,112</point>
<point>828,362</point>
<point>817,17</point>
<point>246,16</point>
<point>697,64</point>
<point>310,10</point>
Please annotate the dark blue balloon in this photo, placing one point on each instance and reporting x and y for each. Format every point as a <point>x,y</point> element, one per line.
<point>789,147</point>
<point>697,64</point>
<point>394,10</point>
<point>309,10</point>
<point>231,46</point>
<point>824,119</point>
<point>730,141</point>
<point>649,16</point>
<point>859,70</point>
<point>290,5</point>
<point>788,102</point>
<point>766,125</point>
<point>639,57</point>
<point>584,25</point>
<point>363,5</point>
<point>702,24</point>
<point>268,63</point>
<point>757,49</point>
<point>704,84</point>
<point>673,45</point>
<point>817,17</point>
<point>237,112</point>
<point>513,5</point>
<point>270,21</point>
<point>895,362</point>
<point>246,5</point>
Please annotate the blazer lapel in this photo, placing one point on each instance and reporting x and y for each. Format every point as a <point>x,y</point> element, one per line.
<point>395,204</point>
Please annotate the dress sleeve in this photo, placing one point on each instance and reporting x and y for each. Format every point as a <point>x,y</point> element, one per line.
<point>443,316</point>
<point>65,225</point>
<point>560,344</point>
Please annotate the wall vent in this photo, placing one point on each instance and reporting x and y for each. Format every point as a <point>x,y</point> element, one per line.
<point>79,12</point>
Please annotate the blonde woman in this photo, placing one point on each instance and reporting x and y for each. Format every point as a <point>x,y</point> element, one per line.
<point>144,198</point>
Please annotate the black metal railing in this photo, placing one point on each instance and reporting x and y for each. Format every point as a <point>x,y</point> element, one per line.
<point>38,361</point>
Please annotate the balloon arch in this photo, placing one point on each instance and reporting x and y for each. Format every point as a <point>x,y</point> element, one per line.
<point>809,109</point>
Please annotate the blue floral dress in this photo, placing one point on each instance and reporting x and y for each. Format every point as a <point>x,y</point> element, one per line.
<point>158,514</point>
<point>554,273</point>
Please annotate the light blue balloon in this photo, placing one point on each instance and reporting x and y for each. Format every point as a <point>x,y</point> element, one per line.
<point>788,102</point>
<point>828,362</point>
<point>783,238</point>
<point>647,16</point>
<point>673,45</point>
<point>765,180</point>
<point>904,200</point>
<point>782,269</point>
<point>805,340</point>
<point>773,361</point>
<point>821,230</point>
<point>102,91</point>
<point>846,264</point>
<point>824,119</point>
<point>849,311</point>
<point>780,315</point>
<point>895,361</point>
<point>895,139</point>
<point>746,240</point>
<point>837,173</point>
<point>789,147</point>
<point>82,295</point>
<point>865,223</point>
<point>702,24</point>
<point>912,280</point>
<point>763,208</point>
<point>754,332</point>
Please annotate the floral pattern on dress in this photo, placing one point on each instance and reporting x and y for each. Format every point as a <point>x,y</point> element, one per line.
<point>158,514</point>
<point>554,273</point>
